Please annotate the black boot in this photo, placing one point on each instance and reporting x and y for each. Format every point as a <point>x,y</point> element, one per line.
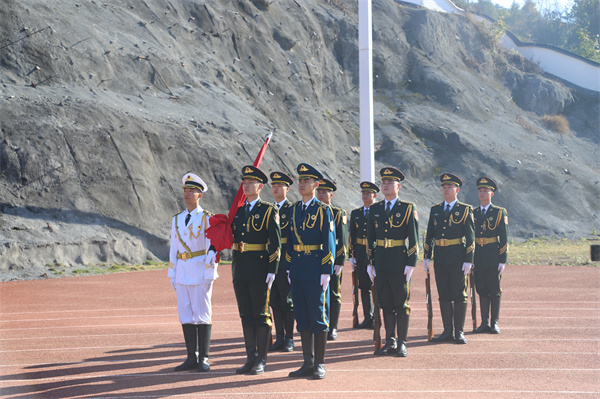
<point>334,313</point>
<point>460,313</point>
<point>289,332</point>
<point>402,321</point>
<point>391,345</point>
<point>263,336</point>
<point>308,352</point>
<point>494,328</point>
<point>191,343</point>
<point>367,305</point>
<point>447,318</point>
<point>484,304</point>
<point>320,344</point>
<point>204,331</point>
<point>250,343</point>
<point>279,320</point>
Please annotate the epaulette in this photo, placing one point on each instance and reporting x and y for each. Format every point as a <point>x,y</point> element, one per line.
<point>177,214</point>
<point>207,213</point>
<point>268,203</point>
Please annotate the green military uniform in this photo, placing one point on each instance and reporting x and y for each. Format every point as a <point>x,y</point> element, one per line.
<point>358,251</point>
<point>281,295</point>
<point>340,217</point>
<point>256,252</point>
<point>450,241</point>
<point>393,237</point>
<point>491,250</point>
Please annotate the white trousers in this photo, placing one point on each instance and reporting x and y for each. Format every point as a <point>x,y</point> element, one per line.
<point>194,303</point>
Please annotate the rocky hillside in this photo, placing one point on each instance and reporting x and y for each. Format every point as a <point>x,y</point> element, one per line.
<point>105,105</point>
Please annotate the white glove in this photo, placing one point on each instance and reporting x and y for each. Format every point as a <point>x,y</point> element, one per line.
<point>466,268</point>
<point>288,277</point>
<point>426,264</point>
<point>501,268</point>
<point>270,279</point>
<point>211,257</point>
<point>408,271</point>
<point>337,269</point>
<point>353,262</point>
<point>173,283</point>
<point>325,281</point>
<point>371,273</point>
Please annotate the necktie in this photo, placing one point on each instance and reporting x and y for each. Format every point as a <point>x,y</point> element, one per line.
<point>247,209</point>
<point>447,211</point>
<point>366,212</point>
<point>303,208</point>
<point>482,211</point>
<point>388,208</point>
<point>187,218</point>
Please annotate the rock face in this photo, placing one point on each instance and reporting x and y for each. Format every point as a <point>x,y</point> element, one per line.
<point>104,106</point>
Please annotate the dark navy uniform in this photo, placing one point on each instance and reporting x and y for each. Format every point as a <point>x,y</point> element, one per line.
<point>340,218</point>
<point>310,255</point>
<point>450,242</point>
<point>256,252</point>
<point>491,250</point>
<point>281,295</point>
<point>358,251</point>
<point>393,237</point>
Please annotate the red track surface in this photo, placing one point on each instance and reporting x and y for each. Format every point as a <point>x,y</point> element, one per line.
<point>118,336</point>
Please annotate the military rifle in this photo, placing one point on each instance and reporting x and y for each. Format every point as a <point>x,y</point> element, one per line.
<point>377,318</point>
<point>354,298</point>
<point>429,307</point>
<point>473,300</point>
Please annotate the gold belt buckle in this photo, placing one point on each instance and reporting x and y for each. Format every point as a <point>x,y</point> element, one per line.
<point>184,256</point>
<point>387,243</point>
<point>443,242</point>
<point>241,247</point>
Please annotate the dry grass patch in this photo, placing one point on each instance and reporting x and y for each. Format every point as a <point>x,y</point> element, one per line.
<point>557,123</point>
<point>552,251</point>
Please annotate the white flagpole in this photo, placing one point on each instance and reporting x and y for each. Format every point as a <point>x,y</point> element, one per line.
<point>365,54</point>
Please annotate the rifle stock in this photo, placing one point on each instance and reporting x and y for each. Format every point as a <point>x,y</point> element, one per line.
<point>429,308</point>
<point>377,319</point>
<point>354,299</point>
<point>473,300</point>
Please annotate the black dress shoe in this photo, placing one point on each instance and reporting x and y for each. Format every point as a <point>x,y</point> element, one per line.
<point>366,324</point>
<point>289,345</point>
<point>443,337</point>
<point>259,367</point>
<point>304,371</point>
<point>277,345</point>
<point>319,372</point>
<point>203,365</point>
<point>389,348</point>
<point>483,328</point>
<point>401,351</point>
<point>460,338</point>
<point>189,364</point>
<point>332,335</point>
<point>247,367</point>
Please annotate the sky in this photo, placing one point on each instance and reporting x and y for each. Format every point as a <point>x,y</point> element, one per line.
<point>544,3</point>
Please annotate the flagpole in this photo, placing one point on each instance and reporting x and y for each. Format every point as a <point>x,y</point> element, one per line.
<point>365,53</point>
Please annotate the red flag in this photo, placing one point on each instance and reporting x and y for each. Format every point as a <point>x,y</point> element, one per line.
<point>219,232</point>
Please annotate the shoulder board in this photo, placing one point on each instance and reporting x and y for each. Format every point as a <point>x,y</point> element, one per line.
<point>463,204</point>
<point>357,210</point>
<point>207,213</point>
<point>177,214</point>
<point>267,203</point>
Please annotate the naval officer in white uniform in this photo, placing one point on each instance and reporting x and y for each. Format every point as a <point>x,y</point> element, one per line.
<point>193,269</point>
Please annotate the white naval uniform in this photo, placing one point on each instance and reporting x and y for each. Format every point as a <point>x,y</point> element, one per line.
<point>193,277</point>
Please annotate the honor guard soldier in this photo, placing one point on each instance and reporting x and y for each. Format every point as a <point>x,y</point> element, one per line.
<point>450,241</point>
<point>340,217</point>
<point>358,250</point>
<point>193,270</point>
<point>256,252</point>
<point>281,296</point>
<point>393,242</point>
<point>309,261</point>
<point>491,250</point>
